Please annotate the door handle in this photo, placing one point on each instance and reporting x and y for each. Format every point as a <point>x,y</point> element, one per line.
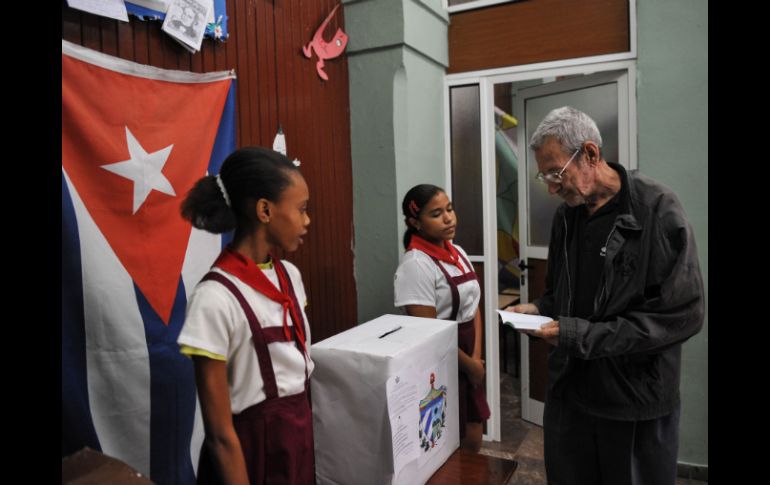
<point>523,265</point>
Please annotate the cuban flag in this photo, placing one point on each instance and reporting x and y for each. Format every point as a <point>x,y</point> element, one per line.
<point>134,141</point>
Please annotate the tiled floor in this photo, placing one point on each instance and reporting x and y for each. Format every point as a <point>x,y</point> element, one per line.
<point>523,441</point>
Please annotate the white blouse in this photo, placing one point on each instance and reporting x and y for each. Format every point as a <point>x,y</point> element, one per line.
<point>215,322</point>
<point>418,281</point>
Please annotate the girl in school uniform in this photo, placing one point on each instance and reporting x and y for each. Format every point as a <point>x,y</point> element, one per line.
<point>246,328</point>
<point>436,280</point>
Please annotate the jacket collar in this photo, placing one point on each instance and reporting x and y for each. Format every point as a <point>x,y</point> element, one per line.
<point>629,206</point>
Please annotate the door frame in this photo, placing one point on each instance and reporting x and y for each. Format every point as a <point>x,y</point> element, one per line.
<point>486,81</point>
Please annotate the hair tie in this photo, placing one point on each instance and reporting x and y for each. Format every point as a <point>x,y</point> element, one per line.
<point>413,208</point>
<point>221,185</point>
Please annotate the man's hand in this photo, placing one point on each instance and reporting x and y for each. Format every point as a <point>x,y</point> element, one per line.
<point>527,308</point>
<point>548,332</point>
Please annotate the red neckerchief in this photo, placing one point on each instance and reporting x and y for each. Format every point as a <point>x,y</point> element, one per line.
<point>247,271</point>
<point>447,254</point>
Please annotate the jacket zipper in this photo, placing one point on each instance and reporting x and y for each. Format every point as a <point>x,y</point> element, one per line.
<point>598,300</point>
<point>566,265</point>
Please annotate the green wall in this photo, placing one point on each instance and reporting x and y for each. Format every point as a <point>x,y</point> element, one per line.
<point>397,55</point>
<point>672,107</point>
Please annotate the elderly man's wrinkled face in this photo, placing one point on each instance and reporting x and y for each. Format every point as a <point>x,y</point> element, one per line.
<point>574,184</point>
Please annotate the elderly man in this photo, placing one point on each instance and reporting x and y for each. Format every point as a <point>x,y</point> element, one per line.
<point>624,289</point>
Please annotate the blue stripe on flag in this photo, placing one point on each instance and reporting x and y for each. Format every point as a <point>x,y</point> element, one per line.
<point>172,394</point>
<point>224,143</point>
<point>76,421</point>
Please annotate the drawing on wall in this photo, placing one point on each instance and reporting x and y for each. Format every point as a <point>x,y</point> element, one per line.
<point>216,22</point>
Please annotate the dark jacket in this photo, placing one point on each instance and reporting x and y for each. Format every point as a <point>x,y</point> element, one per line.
<point>623,362</point>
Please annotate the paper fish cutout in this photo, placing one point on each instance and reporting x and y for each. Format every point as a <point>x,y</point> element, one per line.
<point>326,50</point>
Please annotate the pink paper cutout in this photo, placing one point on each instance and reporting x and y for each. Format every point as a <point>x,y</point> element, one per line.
<point>326,50</point>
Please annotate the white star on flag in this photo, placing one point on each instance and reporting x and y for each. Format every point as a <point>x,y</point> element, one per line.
<point>144,169</point>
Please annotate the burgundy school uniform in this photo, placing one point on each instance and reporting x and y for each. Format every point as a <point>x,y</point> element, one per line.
<point>473,406</point>
<point>276,434</point>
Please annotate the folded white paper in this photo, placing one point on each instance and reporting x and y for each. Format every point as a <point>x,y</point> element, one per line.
<point>114,9</point>
<point>522,321</point>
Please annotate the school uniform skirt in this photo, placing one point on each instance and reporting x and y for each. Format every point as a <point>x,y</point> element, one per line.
<point>472,399</point>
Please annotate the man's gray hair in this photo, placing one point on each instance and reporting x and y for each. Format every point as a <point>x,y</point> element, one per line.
<point>571,127</point>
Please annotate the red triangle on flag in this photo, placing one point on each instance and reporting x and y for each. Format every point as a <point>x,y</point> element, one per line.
<point>100,108</point>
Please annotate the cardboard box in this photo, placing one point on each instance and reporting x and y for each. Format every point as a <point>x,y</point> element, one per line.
<point>385,401</point>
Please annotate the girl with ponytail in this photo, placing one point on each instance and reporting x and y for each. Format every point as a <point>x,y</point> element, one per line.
<point>246,328</point>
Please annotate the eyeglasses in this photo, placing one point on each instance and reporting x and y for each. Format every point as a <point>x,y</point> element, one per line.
<point>555,177</point>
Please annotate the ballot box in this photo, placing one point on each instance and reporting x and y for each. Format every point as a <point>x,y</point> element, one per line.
<point>385,401</point>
